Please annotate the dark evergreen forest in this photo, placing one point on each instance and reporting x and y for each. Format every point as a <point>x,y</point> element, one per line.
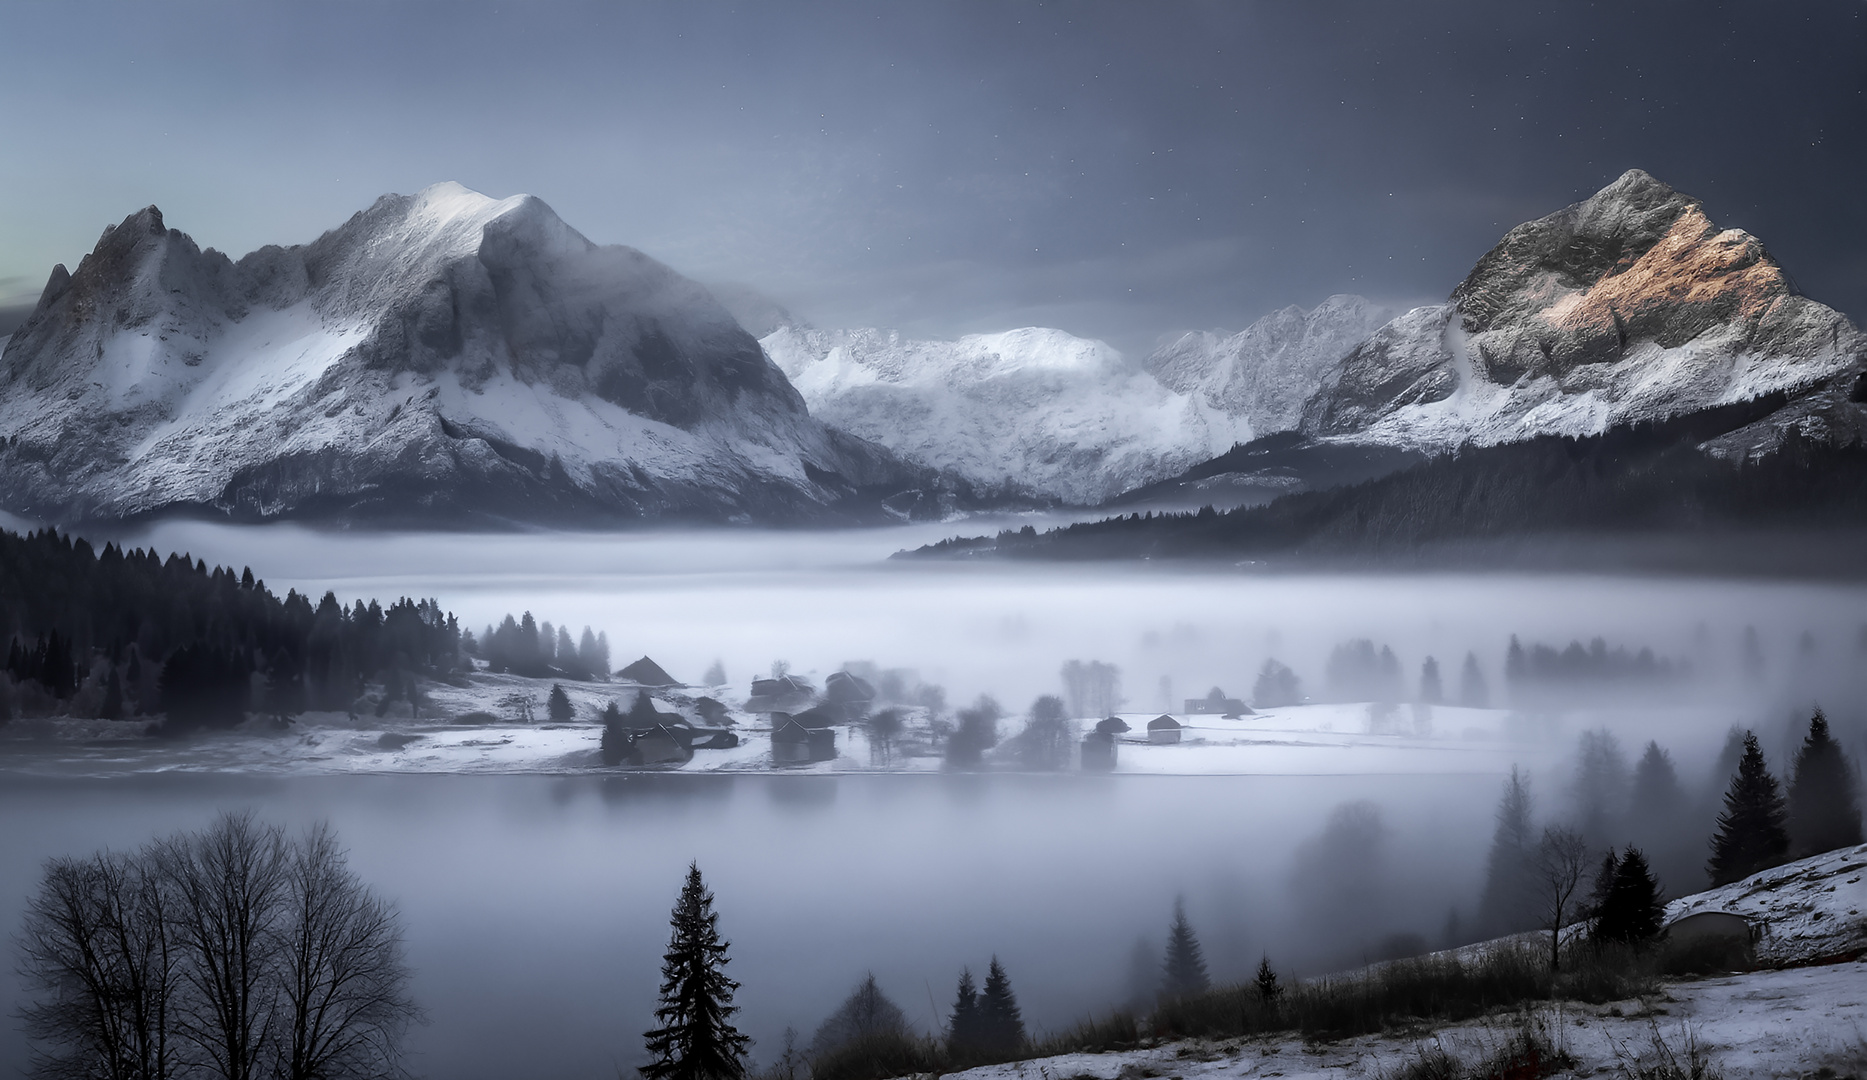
<point>116,633</point>
<point>1647,479</point>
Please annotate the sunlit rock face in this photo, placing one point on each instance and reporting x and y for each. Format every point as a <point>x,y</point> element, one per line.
<point>1629,305</point>
<point>440,357</point>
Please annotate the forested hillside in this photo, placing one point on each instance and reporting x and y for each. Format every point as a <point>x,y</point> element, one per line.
<point>1640,479</point>
<point>113,634</point>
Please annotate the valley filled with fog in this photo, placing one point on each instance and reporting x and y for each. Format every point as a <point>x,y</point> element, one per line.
<point>536,905</point>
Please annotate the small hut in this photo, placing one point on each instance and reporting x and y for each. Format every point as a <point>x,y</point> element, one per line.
<point>786,693</point>
<point>646,672</point>
<point>658,746</point>
<point>792,743</point>
<point>1215,703</point>
<point>1099,751</point>
<point>1163,730</point>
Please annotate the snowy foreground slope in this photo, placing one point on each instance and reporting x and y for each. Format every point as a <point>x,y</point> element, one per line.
<point>1630,305</point>
<point>1034,408</point>
<point>439,356</point>
<point>1807,1011</point>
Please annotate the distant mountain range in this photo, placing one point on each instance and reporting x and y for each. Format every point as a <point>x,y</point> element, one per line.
<point>441,358</point>
<point>450,358</point>
<point>1620,365</point>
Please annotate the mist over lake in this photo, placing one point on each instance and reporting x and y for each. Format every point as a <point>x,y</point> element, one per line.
<point>536,906</point>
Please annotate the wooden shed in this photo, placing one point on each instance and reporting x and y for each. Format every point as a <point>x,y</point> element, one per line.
<point>1163,729</point>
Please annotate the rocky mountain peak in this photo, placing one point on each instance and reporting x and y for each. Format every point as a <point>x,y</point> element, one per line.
<point>1630,304</point>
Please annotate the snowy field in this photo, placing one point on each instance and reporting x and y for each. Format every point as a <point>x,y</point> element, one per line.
<point>1335,739</point>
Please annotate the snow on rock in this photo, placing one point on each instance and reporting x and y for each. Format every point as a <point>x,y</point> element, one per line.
<point>1035,408</point>
<point>1630,305</point>
<point>1265,373</point>
<point>1807,911</point>
<point>439,355</point>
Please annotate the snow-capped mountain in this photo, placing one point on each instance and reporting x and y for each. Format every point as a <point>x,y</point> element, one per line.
<point>1268,371</point>
<point>1630,305</point>
<point>1033,409</point>
<point>439,356</point>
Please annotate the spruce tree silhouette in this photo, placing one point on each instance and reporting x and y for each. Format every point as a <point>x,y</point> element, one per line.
<point>1269,989</point>
<point>1183,971</point>
<point>1824,807</point>
<point>1001,1026</point>
<point>962,1029</point>
<point>557,705</point>
<point>695,1039</point>
<point>1751,834</point>
<point>1505,906</point>
<point>1631,910</point>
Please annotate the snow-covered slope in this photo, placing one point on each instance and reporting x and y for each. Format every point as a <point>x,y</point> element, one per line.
<point>1266,372</point>
<point>1630,305</point>
<point>1036,408</point>
<point>440,356</point>
<point>1809,911</point>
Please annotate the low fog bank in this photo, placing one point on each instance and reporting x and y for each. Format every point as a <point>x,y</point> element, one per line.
<point>537,909</point>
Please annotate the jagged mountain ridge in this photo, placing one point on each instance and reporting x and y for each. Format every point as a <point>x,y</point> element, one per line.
<point>1267,372</point>
<point>1630,305</point>
<point>1042,410</point>
<point>1036,409</point>
<point>440,357</point>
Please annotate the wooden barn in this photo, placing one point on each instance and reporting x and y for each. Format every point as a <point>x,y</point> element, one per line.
<point>1099,751</point>
<point>792,743</point>
<point>1164,730</point>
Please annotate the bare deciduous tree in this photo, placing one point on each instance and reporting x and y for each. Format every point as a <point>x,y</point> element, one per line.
<point>95,942</point>
<point>1558,870</point>
<point>234,952</point>
<point>345,1008</point>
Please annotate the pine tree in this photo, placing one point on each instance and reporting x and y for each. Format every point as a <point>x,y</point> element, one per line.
<point>1656,791</point>
<point>1751,834</point>
<point>1001,1026</point>
<point>1824,807</point>
<point>557,705</point>
<point>1505,905</point>
<point>962,1030</point>
<point>1431,692</point>
<point>695,1039</point>
<point>1183,971</point>
<point>615,744</point>
<point>1268,988</point>
<point>1473,693</point>
<point>1630,910</point>
<point>1604,884</point>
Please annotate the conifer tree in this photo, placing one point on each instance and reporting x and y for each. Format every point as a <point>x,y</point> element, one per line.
<point>1604,884</point>
<point>1268,988</point>
<point>962,1029</point>
<point>1001,1026</point>
<point>1824,806</point>
<point>615,744</point>
<point>557,705</point>
<point>1751,834</point>
<point>1183,971</point>
<point>694,1038</point>
<point>1630,910</point>
<point>1505,905</point>
<point>1431,691</point>
<point>1473,693</point>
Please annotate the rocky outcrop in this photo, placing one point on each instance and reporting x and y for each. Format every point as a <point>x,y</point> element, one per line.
<point>1629,305</point>
<point>440,358</point>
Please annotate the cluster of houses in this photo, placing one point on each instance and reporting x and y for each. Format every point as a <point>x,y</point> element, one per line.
<point>803,721</point>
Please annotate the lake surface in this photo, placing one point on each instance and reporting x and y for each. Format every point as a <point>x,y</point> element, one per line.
<point>536,906</point>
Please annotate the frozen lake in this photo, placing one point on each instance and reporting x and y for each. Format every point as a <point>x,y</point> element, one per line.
<point>536,904</point>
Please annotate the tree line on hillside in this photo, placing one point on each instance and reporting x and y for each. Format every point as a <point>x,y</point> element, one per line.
<point>1631,818</point>
<point>114,633</point>
<point>1647,477</point>
<point>526,647</point>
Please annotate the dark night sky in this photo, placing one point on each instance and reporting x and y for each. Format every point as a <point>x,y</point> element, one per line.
<point>1119,170</point>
